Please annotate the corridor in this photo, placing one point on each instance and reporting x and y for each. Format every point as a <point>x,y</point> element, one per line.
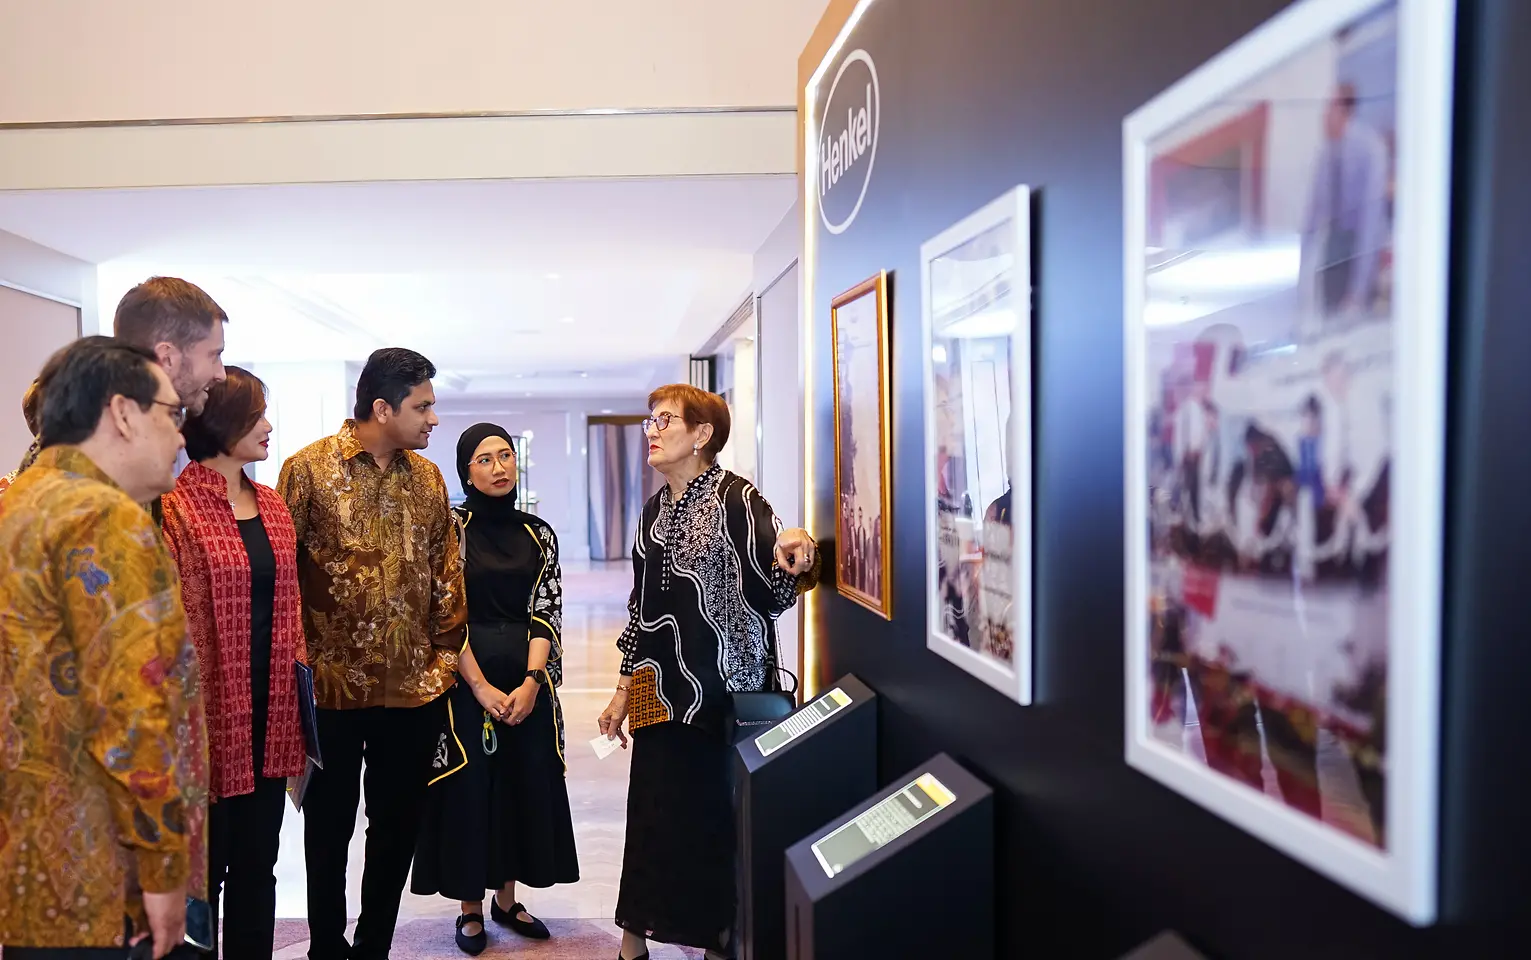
<point>579,915</point>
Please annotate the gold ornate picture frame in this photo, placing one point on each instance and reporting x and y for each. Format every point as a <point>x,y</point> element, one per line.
<point>858,320</point>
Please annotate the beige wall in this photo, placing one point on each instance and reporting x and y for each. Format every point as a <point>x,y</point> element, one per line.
<point>31,329</point>
<point>71,60</point>
<point>33,324</point>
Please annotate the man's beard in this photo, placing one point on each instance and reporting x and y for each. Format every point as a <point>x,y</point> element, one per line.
<point>194,400</point>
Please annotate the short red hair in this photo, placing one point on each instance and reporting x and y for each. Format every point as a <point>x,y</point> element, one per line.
<point>697,406</point>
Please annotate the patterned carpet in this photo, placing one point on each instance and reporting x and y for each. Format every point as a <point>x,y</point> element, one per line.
<point>432,939</point>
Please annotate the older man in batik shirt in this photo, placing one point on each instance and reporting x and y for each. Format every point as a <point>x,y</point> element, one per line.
<point>103,754</point>
<point>385,615</point>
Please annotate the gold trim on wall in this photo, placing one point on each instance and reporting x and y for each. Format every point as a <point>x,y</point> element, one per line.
<point>876,286</point>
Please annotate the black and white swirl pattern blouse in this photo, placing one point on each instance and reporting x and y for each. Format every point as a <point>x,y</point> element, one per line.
<point>706,595</point>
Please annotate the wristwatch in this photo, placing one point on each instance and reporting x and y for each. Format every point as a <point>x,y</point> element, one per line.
<point>541,676</point>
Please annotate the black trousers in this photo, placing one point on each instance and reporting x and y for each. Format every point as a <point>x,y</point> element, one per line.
<point>244,837</point>
<point>396,744</point>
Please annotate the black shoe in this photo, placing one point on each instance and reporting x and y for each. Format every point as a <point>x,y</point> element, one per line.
<point>474,945</point>
<point>535,930</point>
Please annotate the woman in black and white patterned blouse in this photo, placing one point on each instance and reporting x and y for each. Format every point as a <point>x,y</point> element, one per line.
<point>711,573</point>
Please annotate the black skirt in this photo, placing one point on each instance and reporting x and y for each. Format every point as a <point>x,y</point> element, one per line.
<point>505,815</point>
<point>678,865</point>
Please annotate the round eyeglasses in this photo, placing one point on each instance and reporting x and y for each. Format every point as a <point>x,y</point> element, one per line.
<point>504,458</point>
<point>662,421</point>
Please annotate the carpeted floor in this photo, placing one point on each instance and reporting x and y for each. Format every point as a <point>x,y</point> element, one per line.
<point>432,939</point>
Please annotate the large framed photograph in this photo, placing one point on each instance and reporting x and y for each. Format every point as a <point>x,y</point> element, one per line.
<point>976,312</point>
<point>858,322</point>
<point>1285,322</point>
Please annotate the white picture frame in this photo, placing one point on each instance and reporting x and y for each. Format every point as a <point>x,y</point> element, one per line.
<point>1397,868</point>
<point>987,309</point>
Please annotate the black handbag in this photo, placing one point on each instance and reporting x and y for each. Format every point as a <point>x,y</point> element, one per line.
<point>754,711</point>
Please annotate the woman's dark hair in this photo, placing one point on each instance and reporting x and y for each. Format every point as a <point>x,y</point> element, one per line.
<point>234,406</point>
<point>390,374</point>
<point>698,406</point>
<point>81,379</point>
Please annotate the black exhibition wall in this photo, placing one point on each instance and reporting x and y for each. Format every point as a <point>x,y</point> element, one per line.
<point>976,97</point>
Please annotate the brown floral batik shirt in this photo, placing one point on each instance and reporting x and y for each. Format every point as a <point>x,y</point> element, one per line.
<point>380,573</point>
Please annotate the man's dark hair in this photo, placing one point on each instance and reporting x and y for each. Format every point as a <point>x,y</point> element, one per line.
<point>234,406</point>
<point>166,310</point>
<point>80,380</point>
<point>390,374</point>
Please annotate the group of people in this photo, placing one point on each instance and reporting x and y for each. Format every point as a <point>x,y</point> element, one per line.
<point>157,630</point>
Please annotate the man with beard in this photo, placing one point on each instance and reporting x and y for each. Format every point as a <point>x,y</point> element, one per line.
<point>182,327</point>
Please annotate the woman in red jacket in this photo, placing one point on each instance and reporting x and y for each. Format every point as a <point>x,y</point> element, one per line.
<point>234,542</point>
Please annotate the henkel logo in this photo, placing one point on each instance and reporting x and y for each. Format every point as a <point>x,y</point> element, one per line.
<point>848,141</point>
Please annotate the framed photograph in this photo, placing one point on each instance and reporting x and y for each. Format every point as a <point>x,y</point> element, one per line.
<point>976,312</point>
<point>1285,321</point>
<point>858,322</point>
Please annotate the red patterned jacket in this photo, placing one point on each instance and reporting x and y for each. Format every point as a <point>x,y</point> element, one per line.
<point>215,587</point>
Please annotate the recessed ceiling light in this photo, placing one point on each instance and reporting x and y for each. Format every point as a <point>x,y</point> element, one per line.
<point>551,276</point>
<point>606,411</point>
<point>565,319</point>
<point>583,374</point>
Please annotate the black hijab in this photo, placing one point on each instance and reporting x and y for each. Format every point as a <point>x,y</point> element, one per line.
<point>485,508</point>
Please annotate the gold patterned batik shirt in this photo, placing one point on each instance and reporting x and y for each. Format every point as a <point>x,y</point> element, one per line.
<point>102,750</point>
<point>380,572</point>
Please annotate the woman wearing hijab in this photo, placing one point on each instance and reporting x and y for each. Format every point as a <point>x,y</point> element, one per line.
<point>499,806</point>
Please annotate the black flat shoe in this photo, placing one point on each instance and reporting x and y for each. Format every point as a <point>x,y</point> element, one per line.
<point>535,930</point>
<point>474,945</point>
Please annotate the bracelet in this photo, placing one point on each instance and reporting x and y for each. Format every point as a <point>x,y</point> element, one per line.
<point>624,689</point>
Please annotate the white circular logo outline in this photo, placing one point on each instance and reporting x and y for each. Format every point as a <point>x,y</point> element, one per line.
<point>865,58</point>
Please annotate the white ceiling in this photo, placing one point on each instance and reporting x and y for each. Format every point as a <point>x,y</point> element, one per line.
<point>511,287</point>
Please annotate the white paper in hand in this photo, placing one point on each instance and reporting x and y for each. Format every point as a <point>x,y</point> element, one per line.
<point>605,746</point>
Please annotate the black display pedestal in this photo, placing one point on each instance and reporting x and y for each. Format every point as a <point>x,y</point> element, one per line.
<point>791,780</point>
<point>1166,946</point>
<point>909,873</point>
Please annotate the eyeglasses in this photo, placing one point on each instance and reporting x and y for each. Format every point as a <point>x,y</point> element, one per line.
<point>662,421</point>
<point>177,412</point>
<point>505,457</point>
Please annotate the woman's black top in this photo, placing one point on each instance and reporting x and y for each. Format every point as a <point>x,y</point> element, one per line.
<point>262,605</point>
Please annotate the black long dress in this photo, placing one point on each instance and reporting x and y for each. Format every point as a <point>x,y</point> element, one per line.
<point>702,623</point>
<point>504,815</point>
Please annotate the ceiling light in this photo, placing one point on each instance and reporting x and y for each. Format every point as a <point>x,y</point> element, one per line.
<point>551,276</point>
<point>583,374</point>
<point>565,319</point>
<point>608,410</point>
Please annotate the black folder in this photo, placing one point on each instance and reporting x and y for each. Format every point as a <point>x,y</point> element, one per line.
<point>308,713</point>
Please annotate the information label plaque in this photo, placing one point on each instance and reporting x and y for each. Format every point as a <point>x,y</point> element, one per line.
<point>811,715</point>
<point>877,860</point>
<point>791,780</point>
<point>884,823</point>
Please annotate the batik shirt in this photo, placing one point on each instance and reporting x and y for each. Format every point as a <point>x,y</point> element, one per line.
<point>380,572</point>
<point>706,595</point>
<point>102,744</point>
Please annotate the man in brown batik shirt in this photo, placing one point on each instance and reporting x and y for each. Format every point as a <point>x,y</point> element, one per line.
<point>384,615</point>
